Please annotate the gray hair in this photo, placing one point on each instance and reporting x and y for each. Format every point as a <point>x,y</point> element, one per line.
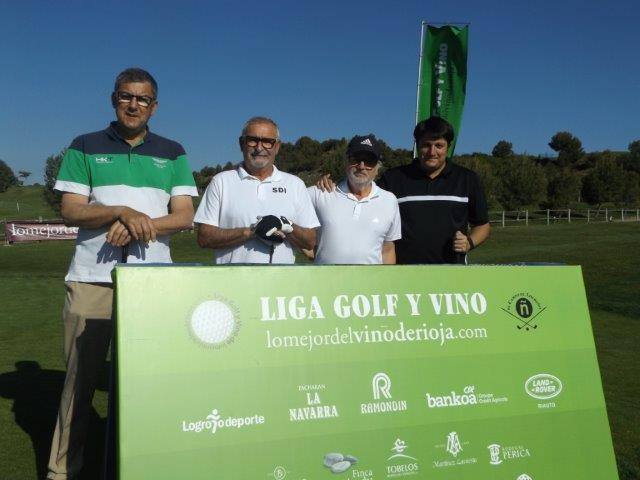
<point>254,120</point>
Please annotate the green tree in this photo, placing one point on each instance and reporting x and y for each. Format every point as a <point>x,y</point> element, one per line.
<point>483,166</point>
<point>604,183</point>
<point>632,162</point>
<point>7,178</point>
<point>631,190</point>
<point>569,148</point>
<point>523,183</point>
<point>502,149</point>
<point>563,187</point>
<point>51,169</point>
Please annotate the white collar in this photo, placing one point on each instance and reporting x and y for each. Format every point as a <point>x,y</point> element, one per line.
<point>343,188</point>
<point>275,176</point>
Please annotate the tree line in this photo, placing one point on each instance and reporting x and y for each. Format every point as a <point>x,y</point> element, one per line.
<point>511,180</point>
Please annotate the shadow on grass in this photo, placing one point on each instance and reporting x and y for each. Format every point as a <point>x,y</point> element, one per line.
<point>36,395</point>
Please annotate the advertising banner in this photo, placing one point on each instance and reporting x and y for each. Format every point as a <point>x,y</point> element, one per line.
<point>442,83</point>
<point>25,231</point>
<point>358,372</point>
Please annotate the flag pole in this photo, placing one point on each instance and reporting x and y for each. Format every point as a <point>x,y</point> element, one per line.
<point>415,152</point>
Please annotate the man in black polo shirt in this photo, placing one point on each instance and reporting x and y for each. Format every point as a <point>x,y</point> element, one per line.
<point>438,201</point>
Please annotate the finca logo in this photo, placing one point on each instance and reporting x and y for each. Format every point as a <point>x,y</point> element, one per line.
<point>543,386</point>
<point>214,422</point>
<point>454,399</point>
<point>524,308</point>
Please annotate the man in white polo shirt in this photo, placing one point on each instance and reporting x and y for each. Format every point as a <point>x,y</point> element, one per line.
<point>256,213</point>
<point>360,221</point>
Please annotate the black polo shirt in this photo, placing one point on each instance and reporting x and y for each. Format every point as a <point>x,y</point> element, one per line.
<point>432,210</point>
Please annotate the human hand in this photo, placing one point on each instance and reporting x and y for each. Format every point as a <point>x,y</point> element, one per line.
<point>271,229</point>
<point>461,243</point>
<point>118,235</point>
<point>325,184</point>
<point>140,225</point>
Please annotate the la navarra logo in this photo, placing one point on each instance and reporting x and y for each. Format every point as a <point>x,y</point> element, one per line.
<point>526,310</point>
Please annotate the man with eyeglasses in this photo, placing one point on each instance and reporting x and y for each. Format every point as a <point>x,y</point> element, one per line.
<point>360,221</point>
<point>256,213</point>
<point>128,190</point>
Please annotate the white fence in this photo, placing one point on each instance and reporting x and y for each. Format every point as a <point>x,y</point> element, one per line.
<point>506,218</point>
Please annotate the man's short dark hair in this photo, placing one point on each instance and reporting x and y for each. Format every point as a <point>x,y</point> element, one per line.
<point>136,75</point>
<point>433,128</point>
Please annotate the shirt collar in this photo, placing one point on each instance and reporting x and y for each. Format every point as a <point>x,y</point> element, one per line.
<point>446,171</point>
<point>343,188</point>
<point>112,132</point>
<point>275,176</point>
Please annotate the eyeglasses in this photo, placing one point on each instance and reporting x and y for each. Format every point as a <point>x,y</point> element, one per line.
<point>369,162</point>
<point>142,100</point>
<point>251,141</point>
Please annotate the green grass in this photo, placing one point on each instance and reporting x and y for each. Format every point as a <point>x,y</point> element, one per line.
<point>31,330</point>
<point>25,203</point>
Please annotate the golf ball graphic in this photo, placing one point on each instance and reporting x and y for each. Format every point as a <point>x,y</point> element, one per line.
<point>213,322</point>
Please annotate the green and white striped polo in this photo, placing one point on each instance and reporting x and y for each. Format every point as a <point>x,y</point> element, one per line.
<point>105,168</point>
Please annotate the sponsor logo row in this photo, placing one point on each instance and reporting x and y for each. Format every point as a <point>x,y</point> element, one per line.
<point>542,386</point>
<point>399,461</point>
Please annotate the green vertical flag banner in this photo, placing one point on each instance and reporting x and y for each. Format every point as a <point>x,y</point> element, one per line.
<point>442,83</point>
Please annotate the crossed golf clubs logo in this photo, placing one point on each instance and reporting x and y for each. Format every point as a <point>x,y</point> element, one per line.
<point>524,313</point>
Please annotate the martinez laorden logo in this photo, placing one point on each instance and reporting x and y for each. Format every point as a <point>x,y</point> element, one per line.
<point>455,447</point>
<point>214,323</point>
<point>525,309</point>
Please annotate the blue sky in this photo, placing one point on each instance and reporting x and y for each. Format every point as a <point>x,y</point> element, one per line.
<point>323,69</point>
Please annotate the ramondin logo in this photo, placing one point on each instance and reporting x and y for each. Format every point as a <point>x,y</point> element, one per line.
<point>524,308</point>
<point>214,422</point>
<point>214,323</point>
<point>381,386</point>
<point>543,386</point>
<point>381,389</point>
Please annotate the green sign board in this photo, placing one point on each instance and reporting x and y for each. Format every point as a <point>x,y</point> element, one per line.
<point>358,372</point>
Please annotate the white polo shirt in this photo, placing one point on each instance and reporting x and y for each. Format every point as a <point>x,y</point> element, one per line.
<point>353,230</point>
<point>235,198</point>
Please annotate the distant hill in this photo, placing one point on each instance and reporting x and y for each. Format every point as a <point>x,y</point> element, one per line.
<point>25,203</point>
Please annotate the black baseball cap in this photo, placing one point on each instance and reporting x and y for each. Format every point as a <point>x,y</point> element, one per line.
<point>364,144</point>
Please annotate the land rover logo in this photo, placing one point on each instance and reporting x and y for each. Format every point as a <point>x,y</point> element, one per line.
<point>543,386</point>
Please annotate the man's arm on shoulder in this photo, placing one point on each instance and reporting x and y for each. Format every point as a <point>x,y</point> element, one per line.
<point>180,216</point>
<point>388,253</point>
<point>210,236</point>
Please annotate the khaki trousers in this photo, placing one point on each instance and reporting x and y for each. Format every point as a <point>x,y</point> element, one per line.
<point>87,333</point>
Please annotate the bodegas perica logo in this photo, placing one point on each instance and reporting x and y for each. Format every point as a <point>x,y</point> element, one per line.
<point>525,309</point>
<point>214,323</point>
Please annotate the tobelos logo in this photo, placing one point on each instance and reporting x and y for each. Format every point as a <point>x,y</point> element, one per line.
<point>524,308</point>
<point>214,323</point>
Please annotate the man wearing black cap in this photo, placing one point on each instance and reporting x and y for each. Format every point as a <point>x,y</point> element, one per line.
<point>360,221</point>
<point>438,200</point>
